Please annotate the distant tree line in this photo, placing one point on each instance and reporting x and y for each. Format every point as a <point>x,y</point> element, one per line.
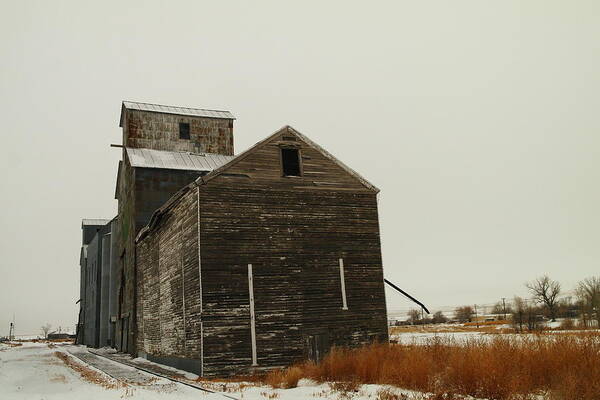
<point>546,302</point>
<point>417,317</point>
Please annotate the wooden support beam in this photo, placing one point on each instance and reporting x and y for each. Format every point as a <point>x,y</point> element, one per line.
<point>343,282</point>
<point>252,320</point>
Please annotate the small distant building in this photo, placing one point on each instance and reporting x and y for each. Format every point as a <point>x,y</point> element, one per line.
<point>59,335</point>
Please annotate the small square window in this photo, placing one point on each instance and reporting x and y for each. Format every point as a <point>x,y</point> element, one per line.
<point>290,160</point>
<point>184,130</point>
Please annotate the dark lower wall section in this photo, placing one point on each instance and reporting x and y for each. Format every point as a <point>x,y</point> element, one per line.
<point>95,283</point>
<point>113,295</point>
<point>153,187</point>
<point>186,364</point>
<point>105,290</point>
<point>141,192</point>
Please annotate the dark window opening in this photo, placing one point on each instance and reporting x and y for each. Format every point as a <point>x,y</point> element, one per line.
<point>291,162</point>
<point>184,130</point>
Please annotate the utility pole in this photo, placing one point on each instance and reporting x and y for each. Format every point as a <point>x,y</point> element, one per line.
<point>476,318</point>
<point>11,332</point>
<point>504,307</point>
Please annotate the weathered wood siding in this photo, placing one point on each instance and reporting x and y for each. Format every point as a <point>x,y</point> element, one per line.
<point>293,230</point>
<point>159,131</point>
<point>263,167</point>
<point>294,241</point>
<point>168,317</point>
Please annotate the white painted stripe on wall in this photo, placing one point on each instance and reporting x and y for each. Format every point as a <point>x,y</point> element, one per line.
<point>343,283</point>
<point>252,321</point>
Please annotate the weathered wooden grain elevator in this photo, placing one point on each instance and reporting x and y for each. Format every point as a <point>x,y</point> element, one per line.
<point>229,264</point>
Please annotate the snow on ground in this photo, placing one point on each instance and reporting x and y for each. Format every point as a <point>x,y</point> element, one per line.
<point>33,371</point>
<point>462,337</point>
<point>424,337</point>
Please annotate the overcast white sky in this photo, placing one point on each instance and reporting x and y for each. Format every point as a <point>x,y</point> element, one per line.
<point>478,121</point>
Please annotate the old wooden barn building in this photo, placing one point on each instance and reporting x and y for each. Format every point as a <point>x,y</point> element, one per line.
<point>224,264</point>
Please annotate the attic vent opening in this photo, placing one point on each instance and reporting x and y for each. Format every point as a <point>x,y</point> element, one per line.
<point>184,130</point>
<point>290,160</point>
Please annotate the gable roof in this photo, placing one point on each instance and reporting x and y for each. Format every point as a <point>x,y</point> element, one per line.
<point>150,158</point>
<point>288,130</point>
<point>159,108</point>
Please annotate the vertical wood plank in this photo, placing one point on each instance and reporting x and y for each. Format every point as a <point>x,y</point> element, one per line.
<point>252,320</point>
<point>343,283</point>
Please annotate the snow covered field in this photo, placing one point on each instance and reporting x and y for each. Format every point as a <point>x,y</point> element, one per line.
<point>458,336</point>
<point>423,337</point>
<point>35,371</point>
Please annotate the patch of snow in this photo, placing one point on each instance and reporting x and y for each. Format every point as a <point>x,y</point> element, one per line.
<point>186,374</point>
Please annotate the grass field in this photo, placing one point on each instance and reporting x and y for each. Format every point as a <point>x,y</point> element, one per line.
<point>556,367</point>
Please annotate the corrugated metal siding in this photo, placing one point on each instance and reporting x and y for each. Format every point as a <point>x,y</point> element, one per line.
<point>196,112</point>
<point>148,158</point>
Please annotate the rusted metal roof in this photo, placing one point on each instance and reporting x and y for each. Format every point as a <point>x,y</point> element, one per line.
<point>158,108</point>
<point>149,158</point>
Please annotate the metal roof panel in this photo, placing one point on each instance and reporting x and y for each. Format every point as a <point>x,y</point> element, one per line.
<point>194,112</point>
<point>94,221</point>
<point>149,158</point>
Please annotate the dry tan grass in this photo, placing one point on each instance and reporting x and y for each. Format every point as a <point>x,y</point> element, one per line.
<point>396,330</point>
<point>388,394</point>
<point>270,395</point>
<point>486,323</point>
<point>284,378</point>
<point>562,367</point>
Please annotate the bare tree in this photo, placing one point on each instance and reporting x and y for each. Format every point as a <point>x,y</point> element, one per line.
<point>501,308</point>
<point>588,291</point>
<point>518,314</point>
<point>439,318</point>
<point>414,316</point>
<point>46,329</point>
<point>545,291</point>
<point>464,314</point>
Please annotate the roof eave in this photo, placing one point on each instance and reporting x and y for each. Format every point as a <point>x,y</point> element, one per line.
<point>124,107</point>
